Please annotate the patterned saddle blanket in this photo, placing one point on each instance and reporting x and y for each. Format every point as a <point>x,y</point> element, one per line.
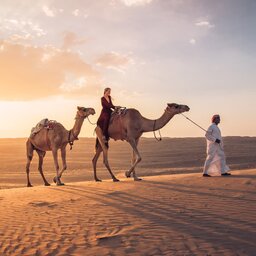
<point>117,114</point>
<point>119,111</point>
<point>44,123</point>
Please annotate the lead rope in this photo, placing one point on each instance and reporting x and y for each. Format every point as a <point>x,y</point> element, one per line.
<point>158,131</point>
<point>196,125</point>
<point>194,122</point>
<point>92,124</point>
<point>90,121</point>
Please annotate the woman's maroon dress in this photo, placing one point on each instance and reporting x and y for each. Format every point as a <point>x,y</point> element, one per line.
<point>105,115</point>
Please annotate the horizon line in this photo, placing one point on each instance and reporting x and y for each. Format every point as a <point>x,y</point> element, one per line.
<point>187,137</point>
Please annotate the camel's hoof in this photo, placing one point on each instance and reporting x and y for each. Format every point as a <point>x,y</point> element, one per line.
<point>29,185</point>
<point>47,184</point>
<point>98,180</point>
<point>127,174</point>
<point>116,180</point>
<point>137,179</point>
<point>58,182</point>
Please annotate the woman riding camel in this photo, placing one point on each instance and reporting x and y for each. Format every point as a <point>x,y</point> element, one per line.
<point>107,109</point>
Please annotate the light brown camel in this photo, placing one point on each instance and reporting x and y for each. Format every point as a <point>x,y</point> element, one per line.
<point>130,126</point>
<point>53,140</point>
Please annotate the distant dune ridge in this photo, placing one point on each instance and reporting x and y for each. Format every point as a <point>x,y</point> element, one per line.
<point>181,213</point>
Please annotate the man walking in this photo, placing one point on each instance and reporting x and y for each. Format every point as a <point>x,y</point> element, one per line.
<point>215,163</point>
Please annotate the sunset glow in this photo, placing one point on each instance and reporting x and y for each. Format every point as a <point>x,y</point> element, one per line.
<point>57,55</point>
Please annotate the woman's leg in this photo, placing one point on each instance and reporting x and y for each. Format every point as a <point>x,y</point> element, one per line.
<point>105,128</point>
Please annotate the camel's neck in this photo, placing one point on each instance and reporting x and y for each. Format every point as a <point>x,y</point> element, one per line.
<point>153,125</point>
<point>76,128</point>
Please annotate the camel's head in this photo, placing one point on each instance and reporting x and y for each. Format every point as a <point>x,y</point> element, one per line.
<point>176,108</point>
<point>84,112</point>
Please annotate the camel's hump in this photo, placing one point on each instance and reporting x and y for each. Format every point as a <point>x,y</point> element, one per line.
<point>132,111</point>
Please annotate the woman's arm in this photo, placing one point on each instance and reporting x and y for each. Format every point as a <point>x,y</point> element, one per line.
<point>106,104</point>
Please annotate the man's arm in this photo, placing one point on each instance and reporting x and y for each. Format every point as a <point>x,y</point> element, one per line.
<point>209,135</point>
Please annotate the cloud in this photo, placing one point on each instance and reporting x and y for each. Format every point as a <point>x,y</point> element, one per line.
<point>114,60</point>
<point>128,94</point>
<point>29,72</point>
<point>70,39</point>
<point>48,12</point>
<point>21,29</point>
<point>192,41</point>
<point>85,15</point>
<point>136,2</point>
<point>205,23</point>
<point>73,83</point>
<point>76,12</point>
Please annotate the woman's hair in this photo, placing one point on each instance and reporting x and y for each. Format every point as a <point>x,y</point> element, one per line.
<point>106,89</point>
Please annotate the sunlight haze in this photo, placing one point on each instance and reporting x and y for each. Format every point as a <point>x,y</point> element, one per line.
<point>57,55</point>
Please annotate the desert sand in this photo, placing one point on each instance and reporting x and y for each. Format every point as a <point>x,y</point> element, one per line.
<point>173,211</point>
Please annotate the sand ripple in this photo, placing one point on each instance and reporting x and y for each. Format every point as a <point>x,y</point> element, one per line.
<point>162,215</point>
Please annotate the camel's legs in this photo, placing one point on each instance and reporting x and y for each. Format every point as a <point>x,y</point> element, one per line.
<point>64,162</point>
<point>41,155</point>
<point>30,149</point>
<point>94,162</point>
<point>55,157</point>
<point>128,173</point>
<point>105,152</point>
<point>135,159</point>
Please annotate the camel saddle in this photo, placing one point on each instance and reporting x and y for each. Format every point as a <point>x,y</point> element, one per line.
<point>119,111</point>
<point>117,114</point>
<point>43,124</point>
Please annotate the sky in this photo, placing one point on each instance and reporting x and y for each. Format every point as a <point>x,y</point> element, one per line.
<point>56,55</point>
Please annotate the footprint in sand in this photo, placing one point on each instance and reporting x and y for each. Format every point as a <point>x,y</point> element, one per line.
<point>248,182</point>
<point>238,195</point>
<point>42,204</point>
<point>109,240</point>
<point>112,237</point>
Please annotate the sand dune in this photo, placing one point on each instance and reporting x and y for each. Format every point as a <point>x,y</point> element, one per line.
<point>183,214</point>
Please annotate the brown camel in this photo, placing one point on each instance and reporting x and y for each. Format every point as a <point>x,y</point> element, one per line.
<point>52,140</point>
<point>130,126</point>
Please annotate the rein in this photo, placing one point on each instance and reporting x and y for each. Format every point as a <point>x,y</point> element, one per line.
<point>90,121</point>
<point>194,122</point>
<point>92,124</point>
<point>71,142</point>
<point>154,126</point>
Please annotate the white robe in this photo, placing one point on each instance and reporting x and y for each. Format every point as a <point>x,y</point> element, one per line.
<point>215,163</point>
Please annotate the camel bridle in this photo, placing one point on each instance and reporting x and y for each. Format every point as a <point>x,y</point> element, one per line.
<point>78,116</point>
<point>168,110</point>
